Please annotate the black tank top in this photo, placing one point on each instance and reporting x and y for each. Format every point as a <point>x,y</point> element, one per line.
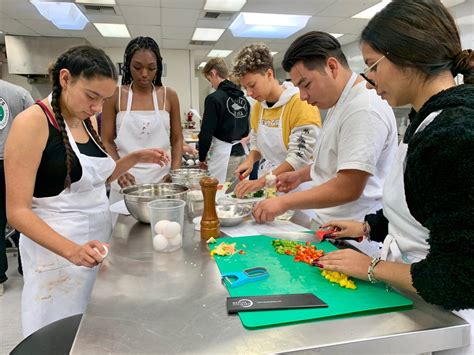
<point>52,168</point>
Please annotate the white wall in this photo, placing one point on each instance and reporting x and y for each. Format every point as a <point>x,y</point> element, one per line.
<point>180,75</point>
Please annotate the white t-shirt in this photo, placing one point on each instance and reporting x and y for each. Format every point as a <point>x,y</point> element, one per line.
<point>360,134</point>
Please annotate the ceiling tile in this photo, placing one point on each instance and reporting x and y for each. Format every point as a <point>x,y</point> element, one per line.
<point>349,26</point>
<point>136,15</point>
<point>229,41</point>
<point>175,32</point>
<point>147,3</point>
<point>174,43</point>
<point>183,4</point>
<point>176,17</point>
<point>293,7</point>
<point>20,9</point>
<point>98,41</point>
<point>117,42</point>
<point>319,23</point>
<point>89,31</point>
<point>206,23</point>
<point>16,28</point>
<point>105,18</point>
<point>46,28</point>
<point>146,31</point>
<point>347,8</point>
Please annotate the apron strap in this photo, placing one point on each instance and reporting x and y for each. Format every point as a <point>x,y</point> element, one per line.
<point>155,100</point>
<point>164,100</point>
<point>48,114</point>
<point>130,97</point>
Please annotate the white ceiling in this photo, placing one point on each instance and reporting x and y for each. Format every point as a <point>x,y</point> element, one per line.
<point>172,22</point>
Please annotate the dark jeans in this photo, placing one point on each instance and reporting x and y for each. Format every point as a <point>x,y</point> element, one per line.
<point>3,223</point>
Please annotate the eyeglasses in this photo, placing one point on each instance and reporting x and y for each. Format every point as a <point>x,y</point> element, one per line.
<point>369,69</point>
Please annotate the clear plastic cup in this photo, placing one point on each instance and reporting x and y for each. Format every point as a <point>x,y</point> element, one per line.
<point>167,224</point>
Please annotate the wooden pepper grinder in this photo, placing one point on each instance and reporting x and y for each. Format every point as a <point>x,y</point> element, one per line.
<point>209,221</point>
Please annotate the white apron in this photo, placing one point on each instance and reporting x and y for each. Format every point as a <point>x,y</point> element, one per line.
<point>406,241</point>
<point>218,158</point>
<point>138,130</point>
<point>270,144</point>
<point>54,288</point>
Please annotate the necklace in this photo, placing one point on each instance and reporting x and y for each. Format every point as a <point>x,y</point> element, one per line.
<point>75,125</point>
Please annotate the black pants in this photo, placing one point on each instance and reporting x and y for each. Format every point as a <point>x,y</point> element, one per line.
<point>3,223</point>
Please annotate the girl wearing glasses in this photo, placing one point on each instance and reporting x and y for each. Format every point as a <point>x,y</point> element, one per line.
<point>414,52</point>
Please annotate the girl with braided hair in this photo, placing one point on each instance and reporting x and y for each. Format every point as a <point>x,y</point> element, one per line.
<point>56,169</point>
<point>142,114</point>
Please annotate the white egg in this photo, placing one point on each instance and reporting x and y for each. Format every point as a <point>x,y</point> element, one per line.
<point>176,240</point>
<point>190,162</point>
<point>160,226</point>
<point>183,159</point>
<point>171,229</point>
<point>160,242</point>
<point>196,162</point>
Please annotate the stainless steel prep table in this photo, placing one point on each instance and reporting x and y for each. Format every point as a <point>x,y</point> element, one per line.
<point>148,302</point>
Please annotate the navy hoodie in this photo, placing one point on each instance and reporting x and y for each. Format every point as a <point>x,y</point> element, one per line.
<point>226,117</point>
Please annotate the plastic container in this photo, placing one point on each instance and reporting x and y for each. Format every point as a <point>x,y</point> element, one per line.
<point>270,185</point>
<point>167,224</point>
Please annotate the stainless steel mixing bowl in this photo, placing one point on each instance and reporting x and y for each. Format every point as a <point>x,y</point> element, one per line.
<point>188,177</point>
<point>136,197</point>
<point>232,215</point>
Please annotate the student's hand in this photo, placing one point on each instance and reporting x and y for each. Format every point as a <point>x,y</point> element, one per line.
<point>244,169</point>
<point>346,228</point>
<point>246,186</point>
<point>153,156</point>
<point>288,181</point>
<point>189,150</point>
<point>268,210</point>
<point>86,254</point>
<point>203,165</point>
<point>347,261</point>
<point>125,180</point>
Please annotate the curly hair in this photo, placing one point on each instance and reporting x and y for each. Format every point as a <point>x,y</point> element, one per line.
<point>136,44</point>
<point>255,58</point>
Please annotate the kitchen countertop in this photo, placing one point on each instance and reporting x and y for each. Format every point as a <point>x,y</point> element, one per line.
<point>149,302</point>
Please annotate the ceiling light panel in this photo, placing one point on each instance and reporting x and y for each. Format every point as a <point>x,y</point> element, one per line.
<point>96,2</point>
<point>63,15</point>
<point>260,25</point>
<point>116,30</point>
<point>207,34</point>
<point>224,5</point>
<point>221,53</point>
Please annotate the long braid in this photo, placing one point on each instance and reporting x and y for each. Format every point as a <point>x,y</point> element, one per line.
<point>62,128</point>
<point>94,134</point>
<point>82,62</point>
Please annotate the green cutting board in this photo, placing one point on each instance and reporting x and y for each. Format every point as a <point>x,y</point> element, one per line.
<point>287,276</point>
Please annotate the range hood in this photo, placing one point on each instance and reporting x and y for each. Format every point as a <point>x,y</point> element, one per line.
<point>30,56</point>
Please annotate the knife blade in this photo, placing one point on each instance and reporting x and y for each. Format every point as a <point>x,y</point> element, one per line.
<point>234,183</point>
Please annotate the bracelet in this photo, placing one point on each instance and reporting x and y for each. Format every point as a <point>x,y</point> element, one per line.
<point>370,270</point>
<point>367,230</point>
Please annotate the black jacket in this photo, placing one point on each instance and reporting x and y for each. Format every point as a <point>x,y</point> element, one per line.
<point>439,190</point>
<point>226,117</point>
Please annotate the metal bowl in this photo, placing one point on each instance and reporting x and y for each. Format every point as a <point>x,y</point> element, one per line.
<point>188,177</point>
<point>136,197</point>
<point>232,215</point>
